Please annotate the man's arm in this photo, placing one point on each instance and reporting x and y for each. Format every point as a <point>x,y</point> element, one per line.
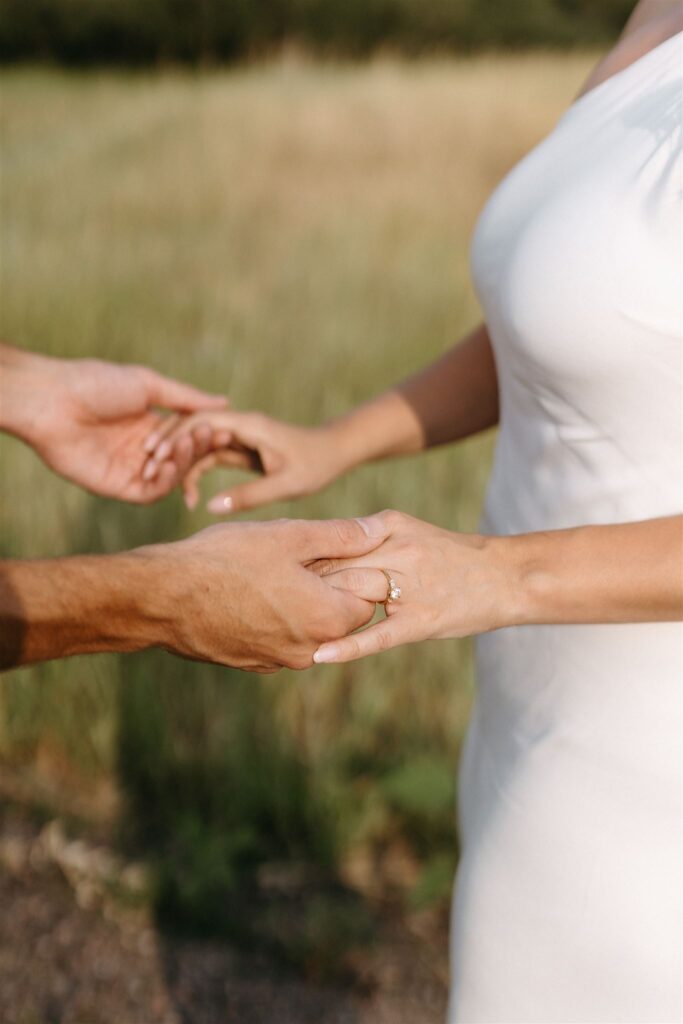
<point>239,595</point>
<point>88,419</point>
<point>58,607</point>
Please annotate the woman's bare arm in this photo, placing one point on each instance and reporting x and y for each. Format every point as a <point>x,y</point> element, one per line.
<point>651,23</point>
<point>453,398</point>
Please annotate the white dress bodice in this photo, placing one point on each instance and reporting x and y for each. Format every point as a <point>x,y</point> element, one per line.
<point>568,899</point>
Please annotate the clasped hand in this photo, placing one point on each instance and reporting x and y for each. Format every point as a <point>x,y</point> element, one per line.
<point>452,584</point>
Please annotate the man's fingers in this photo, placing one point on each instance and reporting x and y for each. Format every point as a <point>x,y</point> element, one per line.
<point>380,637</point>
<point>369,584</point>
<point>247,496</point>
<point>173,394</point>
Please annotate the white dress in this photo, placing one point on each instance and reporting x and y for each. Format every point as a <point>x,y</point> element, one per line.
<point>567,906</point>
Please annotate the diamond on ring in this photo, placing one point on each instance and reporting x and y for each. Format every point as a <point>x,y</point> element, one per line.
<point>393,589</point>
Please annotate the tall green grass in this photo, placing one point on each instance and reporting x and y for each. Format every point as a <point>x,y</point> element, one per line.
<point>296,236</point>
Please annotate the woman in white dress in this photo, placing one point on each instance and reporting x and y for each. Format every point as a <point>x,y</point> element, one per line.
<point>567,907</point>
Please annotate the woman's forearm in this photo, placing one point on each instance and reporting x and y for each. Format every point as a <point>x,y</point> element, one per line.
<point>626,572</point>
<point>451,399</point>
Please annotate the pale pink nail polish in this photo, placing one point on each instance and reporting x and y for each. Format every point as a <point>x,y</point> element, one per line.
<point>326,654</point>
<point>163,451</point>
<point>151,443</point>
<point>149,472</point>
<point>221,503</point>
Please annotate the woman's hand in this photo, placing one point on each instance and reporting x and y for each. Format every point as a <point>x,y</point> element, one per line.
<point>452,585</point>
<point>292,461</point>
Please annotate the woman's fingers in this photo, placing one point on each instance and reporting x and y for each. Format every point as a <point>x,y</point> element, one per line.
<point>183,456</point>
<point>208,433</point>
<point>161,436</point>
<point>380,637</point>
<point>203,438</point>
<point>370,584</point>
<point>161,432</point>
<point>193,473</point>
<point>221,424</point>
<point>249,495</point>
<point>164,481</point>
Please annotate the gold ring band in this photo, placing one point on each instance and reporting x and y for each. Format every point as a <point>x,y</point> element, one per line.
<point>393,589</point>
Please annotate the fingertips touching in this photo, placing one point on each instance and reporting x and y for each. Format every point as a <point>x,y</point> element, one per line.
<point>221,438</point>
<point>164,450</point>
<point>150,470</point>
<point>163,429</point>
<point>182,455</point>
<point>164,480</point>
<point>202,436</point>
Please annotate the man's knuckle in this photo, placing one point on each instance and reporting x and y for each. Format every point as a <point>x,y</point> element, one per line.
<point>392,518</point>
<point>323,624</point>
<point>299,661</point>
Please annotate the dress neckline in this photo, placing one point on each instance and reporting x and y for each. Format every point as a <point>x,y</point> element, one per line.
<point>623,71</point>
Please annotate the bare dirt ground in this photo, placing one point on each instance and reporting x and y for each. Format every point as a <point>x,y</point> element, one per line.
<point>69,958</point>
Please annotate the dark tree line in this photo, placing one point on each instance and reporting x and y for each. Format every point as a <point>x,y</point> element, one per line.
<point>142,32</point>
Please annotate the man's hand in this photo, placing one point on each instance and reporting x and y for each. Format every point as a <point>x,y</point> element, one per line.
<point>239,595</point>
<point>242,595</point>
<point>88,420</point>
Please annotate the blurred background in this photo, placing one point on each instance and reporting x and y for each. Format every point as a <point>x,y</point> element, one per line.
<point>273,199</point>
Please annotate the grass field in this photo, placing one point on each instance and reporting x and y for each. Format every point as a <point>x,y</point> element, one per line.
<point>296,236</point>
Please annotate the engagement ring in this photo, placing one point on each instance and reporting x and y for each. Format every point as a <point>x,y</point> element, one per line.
<point>393,589</point>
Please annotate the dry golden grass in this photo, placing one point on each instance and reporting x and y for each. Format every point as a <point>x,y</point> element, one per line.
<point>295,235</point>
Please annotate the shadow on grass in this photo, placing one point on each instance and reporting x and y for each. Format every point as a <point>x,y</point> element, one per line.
<point>244,844</point>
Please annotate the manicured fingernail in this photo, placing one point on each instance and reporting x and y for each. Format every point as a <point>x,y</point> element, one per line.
<point>220,504</point>
<point>372,526</point>
<point>150,471</point>
<point>191,501</point>
<point>163,451</point>
<point>326,654</point>
<point>151,443</point>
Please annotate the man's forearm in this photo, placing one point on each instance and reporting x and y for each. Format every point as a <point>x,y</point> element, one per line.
<point>64,606</point>
<point>451,399</point>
